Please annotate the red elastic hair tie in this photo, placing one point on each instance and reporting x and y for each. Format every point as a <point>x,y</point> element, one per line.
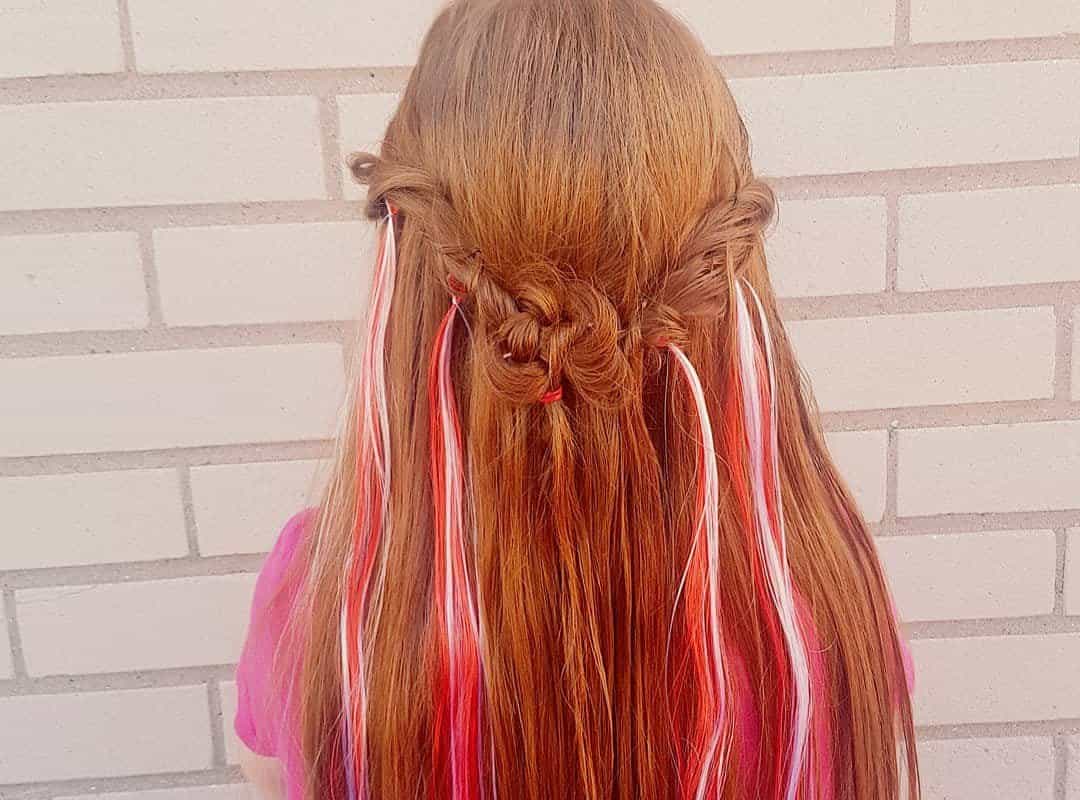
<point>552,396</point>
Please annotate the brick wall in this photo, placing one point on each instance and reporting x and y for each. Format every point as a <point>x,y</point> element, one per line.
<point>179,259</point>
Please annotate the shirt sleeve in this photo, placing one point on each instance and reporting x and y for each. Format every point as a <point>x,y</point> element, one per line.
<point>262,673</point>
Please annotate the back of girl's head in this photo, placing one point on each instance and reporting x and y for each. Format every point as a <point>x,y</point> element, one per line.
<point>581,522</point>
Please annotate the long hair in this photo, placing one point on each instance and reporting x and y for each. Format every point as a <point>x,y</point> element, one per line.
<point>581,514</point>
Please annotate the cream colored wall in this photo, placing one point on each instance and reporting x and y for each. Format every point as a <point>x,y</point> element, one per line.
<point>179,261</point>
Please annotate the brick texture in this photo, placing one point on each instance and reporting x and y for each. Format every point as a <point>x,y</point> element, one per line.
<point>71,282</point>
<point>71,630</point>
<point>128,515</point>
<point>971,575</point>
<point>954,240</point>
<point>240,508</point>
<point>987,468</point>
<point>180,398</point>
<point>262,273</point>
<point>986,679</point>
<point>54,37</point>
<point>104,734</point>
<point>975,769</point>
<point>928,359</point>
<point>183,258</point>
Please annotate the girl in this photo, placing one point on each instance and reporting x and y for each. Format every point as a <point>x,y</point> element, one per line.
<point>582,537</point>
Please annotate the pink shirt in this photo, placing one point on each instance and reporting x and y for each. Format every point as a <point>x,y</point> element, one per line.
<point>263,719</point>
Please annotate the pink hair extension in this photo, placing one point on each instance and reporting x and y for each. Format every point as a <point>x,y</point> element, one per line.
<point>707,627</point>
<point>363,575</point>
<point>760,422</point>
<point>457,724</point>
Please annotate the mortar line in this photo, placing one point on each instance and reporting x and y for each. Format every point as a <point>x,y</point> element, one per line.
<point>892,241</point>
<point>1059,571</point>
<point>127,38</point>
<point>217,723</point>
<point>329,135</point>
<point>303,450</point>
<point>1061,766</point>
<point>106,786</point>
<point>1040,625</point>
<point>998,730</point>
<point>892,479</point>
<point>14,640</point>
<point>154,311</point>
<point>132,572</point>
<point>902,29</point>
<point>162,678</point>
<point>1063,352</point>
<point>191,527</point>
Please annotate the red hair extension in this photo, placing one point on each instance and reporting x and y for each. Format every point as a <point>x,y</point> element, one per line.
<point>456,734</point>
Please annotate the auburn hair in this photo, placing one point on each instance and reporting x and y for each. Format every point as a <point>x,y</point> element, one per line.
<point>580,505</point>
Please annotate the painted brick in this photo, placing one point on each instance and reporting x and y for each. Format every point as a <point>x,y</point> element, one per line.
<point>70,282</point>
<point>996,679</point>
<point>989,468</point>
<point>971,575</point>
<point>928,359</point>
<point>183,622</point>
<point>775,25</point>
<point>142,401</point>
<point>232,791</point>
<point>911,117</point>
<point>233,746</point>
<point>102,734</point>
<point>131,515</point>
<point>945,21</point>
<point>204,35</point>
<point>362,123</point>
<point>954,240</point>
<point>1072,571</point>
<point>241,508</point>
<point>150,152</point>
<point>7,669</point>
<point>54,37</point>
<point>828,247</point>
<point>976,769</point>
<point>860,457</point>
<point>263,273</point>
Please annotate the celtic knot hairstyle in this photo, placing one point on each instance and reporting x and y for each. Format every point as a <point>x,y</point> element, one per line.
<point>580,505</point>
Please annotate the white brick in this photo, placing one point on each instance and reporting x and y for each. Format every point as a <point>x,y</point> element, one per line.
<point>977,769</point>
<point>101,734</point>
<point>70,282</point>
<point>989,468</point>
<point>103,517</point>
<point>363,121</point>
<point>860,457</point>
<point>241,508</point>
<point>828,247</point>
<point>7,670</point>
<point>263,273</point>
<point>996,679</point>
<point>928,359</point>
<point>53,37</point>
<point>232,791</point>
<point>150,152</point>
<point>233,746</point>
<point>989,238</point>
<point>971,575</point>
<point>948,20</point>
<point>183,398</point>
<point>1072,572</point>
<point>212,36</point>
<point>777,25</point>
<point>911,117</point>
<point>183,622</point>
